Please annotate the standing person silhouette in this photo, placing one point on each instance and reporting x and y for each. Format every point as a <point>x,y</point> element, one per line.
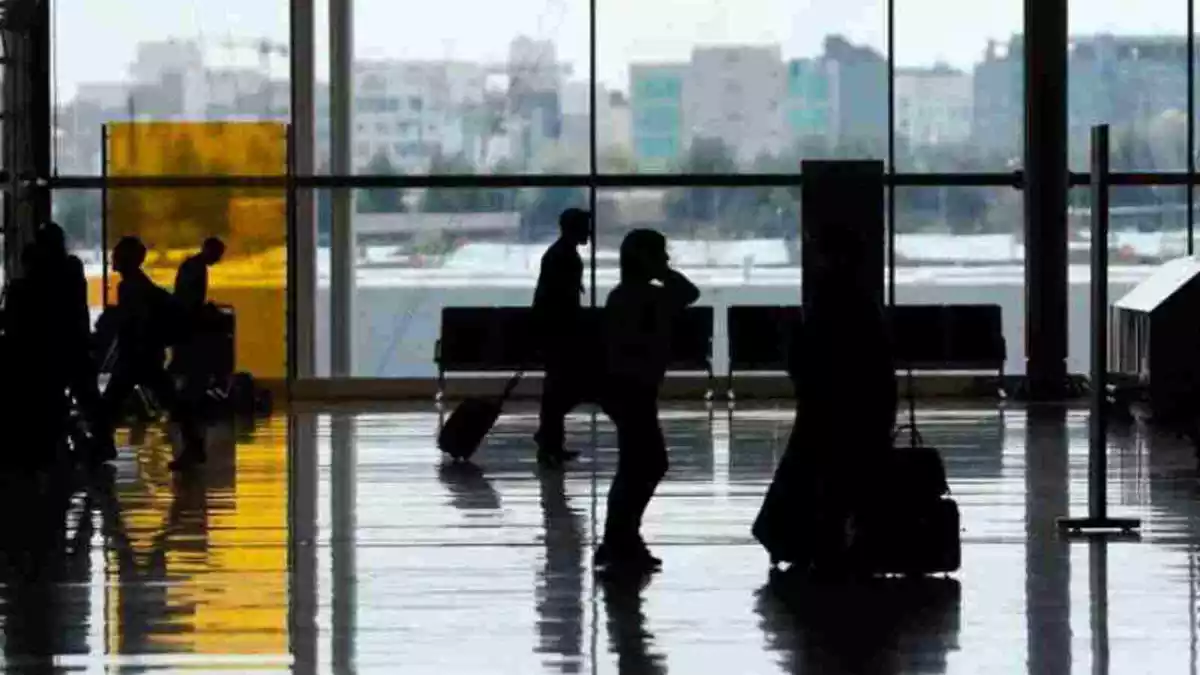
<point>192,359</point>
<point>40,413</point>
<point>148,323</point>
<point>557,316</point>
<point>191,281</point>
<point>639,315</point>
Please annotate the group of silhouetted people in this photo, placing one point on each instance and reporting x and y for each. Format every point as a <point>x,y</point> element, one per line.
<point>624,379</point>
<point>56,360</point>
<point>840,365</point>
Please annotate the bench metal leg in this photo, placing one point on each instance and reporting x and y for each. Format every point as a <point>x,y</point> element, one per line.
<point>729,395</point>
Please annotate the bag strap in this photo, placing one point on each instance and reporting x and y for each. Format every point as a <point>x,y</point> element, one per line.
<point>914,435</point>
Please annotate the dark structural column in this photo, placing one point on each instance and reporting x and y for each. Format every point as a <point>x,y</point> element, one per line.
<point>1046,185</point>
<point>41,99</point>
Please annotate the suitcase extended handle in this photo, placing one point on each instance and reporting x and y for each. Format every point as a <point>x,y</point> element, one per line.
<point>511,385</point>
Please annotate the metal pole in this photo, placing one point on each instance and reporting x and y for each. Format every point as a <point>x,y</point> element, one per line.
<point>290,323</point>
<point>302,249</point>
<point>1098,585</point>
<point>343,498</point>
<point>341,93</point>
<point>1046,187</point>
<point>1191,125</point>
<point>1098,420</point>
<point>1098,520</point>
<point>42,132</point>
<point>891,152</point>
<point>302,542</point>
<point>592,200</point>
<point>104,217</point>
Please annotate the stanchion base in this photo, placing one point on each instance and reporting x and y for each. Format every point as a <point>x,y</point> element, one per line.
<point>1114,527</point>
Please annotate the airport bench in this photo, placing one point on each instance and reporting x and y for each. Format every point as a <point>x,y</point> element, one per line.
<point>949,338</point>
<point>485,340</point>
<point>759,339</point>
<point>502,340</point>
<point>942,338</point>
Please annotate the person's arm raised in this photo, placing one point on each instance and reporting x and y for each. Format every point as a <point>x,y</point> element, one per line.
<point>680,288</point>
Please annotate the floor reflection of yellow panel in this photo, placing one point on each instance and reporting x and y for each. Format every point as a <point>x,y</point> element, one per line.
<point>224,545</point>
<point>245,608</point>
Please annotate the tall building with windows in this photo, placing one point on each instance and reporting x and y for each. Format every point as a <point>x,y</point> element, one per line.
<point>757,104</point>
<point>656,108</point>
<point>735,94</point>
<point>408,112</point>
<point>535,99</point>
<point>998,112</point>
<point>808,104</point>
<point>934,106</point>
<point>859,77</point>
<point>1137,85</point>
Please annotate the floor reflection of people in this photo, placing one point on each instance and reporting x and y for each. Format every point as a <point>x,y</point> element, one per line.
<point>144,607</point>
<point>42,586</point>
<point>469,488</point>
<point>560,584</point>
<point>627,633</point>
<point>883,626</point>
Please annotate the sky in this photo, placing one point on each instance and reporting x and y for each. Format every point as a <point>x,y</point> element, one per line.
<point>96,39</point>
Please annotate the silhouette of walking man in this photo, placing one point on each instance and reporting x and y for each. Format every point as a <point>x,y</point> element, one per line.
<point>558,326</point>
<point>638,319</point>
<point>148,321</point>
<point>63,326</point>
<point>50,328</point>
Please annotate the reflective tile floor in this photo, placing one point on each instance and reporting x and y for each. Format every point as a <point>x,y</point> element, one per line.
<point>339,543</point>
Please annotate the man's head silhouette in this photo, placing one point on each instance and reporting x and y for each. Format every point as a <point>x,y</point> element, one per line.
<point>212,251</point>
<point>576,226</point>
<point>50,240</point>
<point>128,255</point>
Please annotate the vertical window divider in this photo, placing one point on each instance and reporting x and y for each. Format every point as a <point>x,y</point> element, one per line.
<point>891,153</point>
<point>1191,126</point>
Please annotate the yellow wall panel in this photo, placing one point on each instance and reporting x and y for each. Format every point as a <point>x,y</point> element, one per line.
<point>173,222</point>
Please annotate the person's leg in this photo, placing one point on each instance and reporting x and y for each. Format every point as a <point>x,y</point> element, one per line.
<point>651,461</point>
<point>618,527</point>
<point>560,395</point>
<point>182,412</point>
<point>86,391</point>
<point>550,433</point>
<point>121,382</point>
<point>641,463</point>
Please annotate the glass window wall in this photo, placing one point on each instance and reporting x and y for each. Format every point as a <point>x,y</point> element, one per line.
<point>465,115</point>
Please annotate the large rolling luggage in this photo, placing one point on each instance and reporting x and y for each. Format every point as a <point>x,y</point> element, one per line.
<point>909,524</point>
<point>470,423</point>
<point>899,520</point>
<point>913,539</point>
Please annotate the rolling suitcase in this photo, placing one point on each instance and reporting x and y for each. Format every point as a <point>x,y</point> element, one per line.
<point>470,423</point>
<point>917,538</point>
<point>910,526</point>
